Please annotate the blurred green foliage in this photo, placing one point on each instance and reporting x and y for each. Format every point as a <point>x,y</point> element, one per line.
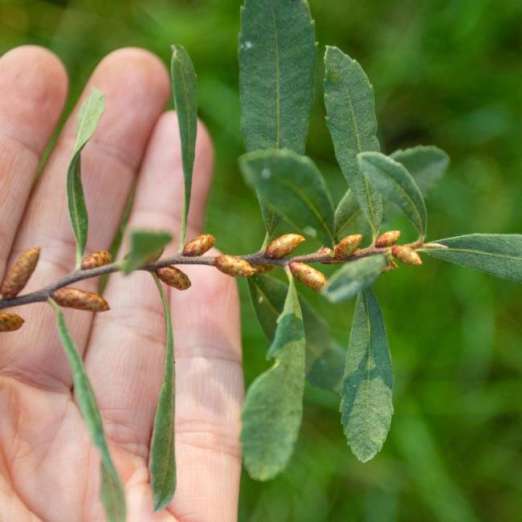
<point>447,72</point>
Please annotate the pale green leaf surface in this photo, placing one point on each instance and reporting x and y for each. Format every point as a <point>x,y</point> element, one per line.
<point>273,406</point>
<point>353,277</point>
<point>88,117</point>
<point>396,185</point>
<point>324,358</point>
<point>292,186</point>
<point>277,54</point>
<point>351,119</point>
<point>497,254</point>
<point>184,91</point>
<point>162,461</point>
<point>427,164</point>
<point>144,244</point>
<point>111,489</point>
<point>366,404</point>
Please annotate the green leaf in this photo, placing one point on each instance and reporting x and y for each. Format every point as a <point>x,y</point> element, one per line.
<point>396,185</point>
<point>162,462</point>
<point>366,404</point>
<point>277,53</point>
<point>184,90</point>
<point>324,358</point>
<point>274,403</point>
<point>347,215</point>
<point>88,118</point>
<point>111,489</point>
<point>353,277</point>
<point>498,254</point>
<point>350,108</point>
<point>427,164</point>
<point>144,245</point>
<point>292,187</point>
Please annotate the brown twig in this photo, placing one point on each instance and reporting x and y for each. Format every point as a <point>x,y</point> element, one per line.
<point>258,258</point>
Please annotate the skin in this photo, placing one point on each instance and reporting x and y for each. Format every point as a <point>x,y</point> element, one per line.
<point>48,467</point>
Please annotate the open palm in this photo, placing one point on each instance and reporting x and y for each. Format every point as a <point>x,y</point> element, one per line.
<point>48,467</point>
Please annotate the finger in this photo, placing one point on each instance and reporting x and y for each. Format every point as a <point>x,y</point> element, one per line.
<point>209,394</point>
<point>126,348</point>
<point>136,88</point>
<point>33,87</point>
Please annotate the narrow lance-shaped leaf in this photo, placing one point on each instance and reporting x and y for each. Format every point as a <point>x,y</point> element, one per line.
<point>162,453</point>
<point>276,73</point>
<point>353,277</point>
<point>292,186</point>
<point>274,403</point>
<point>112,493</point>
<point>366,404</point>
<point>427,164</point>
<point>498,254</point>
<point>144,246</point>
<point>324,358</point>
<point>184,91</point>
<point>88,118</point>
<point>396,185</point>
<point>351,119</point>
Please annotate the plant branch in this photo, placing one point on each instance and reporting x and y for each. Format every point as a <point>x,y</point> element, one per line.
<point>255,259</point>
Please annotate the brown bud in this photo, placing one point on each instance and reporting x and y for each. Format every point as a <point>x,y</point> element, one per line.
<point>10,322</point>
<point>388,239</point>
<point>96,259</point>
<point>174,277</point>
<point>308,275</point>
<point>348,245</point>
<point>234,266</point>
<point>80,300</point>
<point>198,246</point>
<point>19,273</point>
<point>262,269</point>
<point>407,255</point>
<point>284,245</point>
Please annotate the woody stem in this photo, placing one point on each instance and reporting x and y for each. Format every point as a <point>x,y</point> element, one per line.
<point>258,258</point>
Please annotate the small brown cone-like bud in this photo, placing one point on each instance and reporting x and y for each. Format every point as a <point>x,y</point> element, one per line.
<point>198,246</point>
<point>262,269</point>
<point>388,239</point>
<point>407,255</point>
<point>284,245</point>
<point>392,265</point>
<point>10,322</point>
<point>308,275</point>
<point>80,300</point>
<point>174,277</point>
<point>19,273</point>
<point>96,259</point>
<point>348,245</point>
<point>234,266</point>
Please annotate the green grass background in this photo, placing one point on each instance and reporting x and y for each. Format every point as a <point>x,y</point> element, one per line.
<point>447,72</point>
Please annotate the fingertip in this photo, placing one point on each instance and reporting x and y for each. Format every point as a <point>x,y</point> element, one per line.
<point>34,85</point>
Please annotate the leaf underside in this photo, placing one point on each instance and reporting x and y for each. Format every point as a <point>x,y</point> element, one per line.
<point>353,277</point>
<point>144,245</point>
<point>497,254</point>
<point>184,92</point>
<point>277,53</point>
<point>88,118</point>
<point>366,404</point>
<point>274,403</point>
<point>162,461</point>
<point>111,488</point>
<point>324,358</point>
<point>292,186</point>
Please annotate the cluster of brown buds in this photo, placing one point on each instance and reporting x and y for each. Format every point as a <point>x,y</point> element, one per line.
<point>275,254</point>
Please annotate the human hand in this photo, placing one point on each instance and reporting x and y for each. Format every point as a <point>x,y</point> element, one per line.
<point>48,467</point>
